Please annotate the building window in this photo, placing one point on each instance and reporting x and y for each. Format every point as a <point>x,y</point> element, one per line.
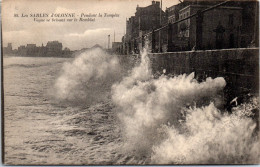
<point>231,19</point>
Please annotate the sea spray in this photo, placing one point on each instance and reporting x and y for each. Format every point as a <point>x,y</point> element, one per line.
<point>210,138</point>
<point>165,120</point>
<point>147,103</point>
<point>176,120</point>
<point>88,78</point>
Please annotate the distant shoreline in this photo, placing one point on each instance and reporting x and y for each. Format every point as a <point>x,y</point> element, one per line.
<point>16,55</point>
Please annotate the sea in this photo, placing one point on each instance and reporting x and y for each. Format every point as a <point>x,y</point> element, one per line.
<point>95,110</point>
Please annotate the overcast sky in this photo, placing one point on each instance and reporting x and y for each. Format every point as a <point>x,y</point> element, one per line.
<point>74,35</point>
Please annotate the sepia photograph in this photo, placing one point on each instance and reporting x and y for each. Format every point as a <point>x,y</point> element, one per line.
<point>130,82</point>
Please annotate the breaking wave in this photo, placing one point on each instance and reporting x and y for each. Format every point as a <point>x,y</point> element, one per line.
<point>176,120</point>
<point>165,120</point>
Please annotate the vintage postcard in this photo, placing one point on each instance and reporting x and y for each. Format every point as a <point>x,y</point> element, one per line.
<point>130,82</point>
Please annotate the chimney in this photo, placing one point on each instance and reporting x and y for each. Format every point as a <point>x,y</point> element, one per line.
<point>153,2</point>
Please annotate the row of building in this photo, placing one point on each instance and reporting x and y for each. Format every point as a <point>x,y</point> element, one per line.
<point>189,25</point>
<point>52,49</point>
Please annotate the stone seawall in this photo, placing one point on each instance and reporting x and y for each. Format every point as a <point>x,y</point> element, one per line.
<point>239,67</point>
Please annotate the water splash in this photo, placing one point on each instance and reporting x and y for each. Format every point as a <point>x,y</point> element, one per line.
<point>88,78</point>
<point>176,120</point>
<point>209,138</point>
<point>165,120</point>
